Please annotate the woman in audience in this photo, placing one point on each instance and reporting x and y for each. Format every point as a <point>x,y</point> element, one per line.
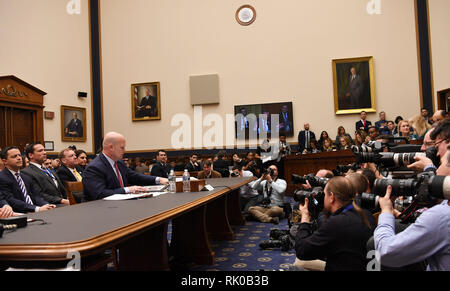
<point>328,146</point>
<point>341,239</point>
<point>420,126</point>
<point>397,120</point>
<point>323,137</point>
<point>237,161</point>
<point>360,137</point>
<point>404,130</point>
<point>344,143</point>
<point>314,145</point>
<point>341,133</point>
<point>81,159</point>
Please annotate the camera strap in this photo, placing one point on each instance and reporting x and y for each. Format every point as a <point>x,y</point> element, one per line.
<point>406,214</point>
<point>348,208</point>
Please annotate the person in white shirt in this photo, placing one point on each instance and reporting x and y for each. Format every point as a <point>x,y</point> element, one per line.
<point>248,196</point>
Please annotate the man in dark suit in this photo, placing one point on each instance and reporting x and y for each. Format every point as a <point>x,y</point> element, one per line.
<point>45,181</point>
<point>147,107</point>
<point>363,124</point>
<point>194,165</point>
<point>304,138</point>
<point>107,174</point>
<point>161,168</point>
<point>69,171</point>
<point>16,188</point>
<point>75,127</point>
<point>285,120</point>
<point>355,90</point>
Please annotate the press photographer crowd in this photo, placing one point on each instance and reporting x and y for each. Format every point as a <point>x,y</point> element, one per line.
<point>390,209</point>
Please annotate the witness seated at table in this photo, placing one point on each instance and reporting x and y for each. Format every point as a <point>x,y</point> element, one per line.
<point>107,174</point>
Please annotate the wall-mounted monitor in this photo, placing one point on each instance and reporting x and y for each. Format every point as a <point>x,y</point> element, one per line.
<point>257,119</point>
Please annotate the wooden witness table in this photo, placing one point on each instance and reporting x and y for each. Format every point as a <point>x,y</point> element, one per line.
<point>137,228</point>
<point>311,163</point>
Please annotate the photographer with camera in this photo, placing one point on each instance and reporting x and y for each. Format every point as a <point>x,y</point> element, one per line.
<point>273,189</point>
<point>341,239</point>
<point>428,238</point>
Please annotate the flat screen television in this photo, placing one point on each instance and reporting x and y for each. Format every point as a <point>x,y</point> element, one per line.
<point>257,120</point>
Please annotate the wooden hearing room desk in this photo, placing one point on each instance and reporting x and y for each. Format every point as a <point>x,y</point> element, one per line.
<point>137,228</point>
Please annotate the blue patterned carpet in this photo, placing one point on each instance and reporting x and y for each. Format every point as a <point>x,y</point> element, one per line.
<point>244,254</point>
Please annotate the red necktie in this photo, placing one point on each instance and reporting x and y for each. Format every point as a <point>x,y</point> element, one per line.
<point>364,123</point>
<point>118,175</point>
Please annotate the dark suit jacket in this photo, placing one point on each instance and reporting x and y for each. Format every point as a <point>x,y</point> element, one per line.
<point>360,124</point>
<point>160,170</point>
<point>66,175</point>
<point>44,185</point>
<point>302,139</point>
<point>75,125</point>
<point>100,180</point>
<point>11,193</point>
<point>356,90</point>
<point>191,168</point>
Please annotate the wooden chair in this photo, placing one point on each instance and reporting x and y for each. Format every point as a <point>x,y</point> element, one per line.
<point>72,187</point>
<point>99,261</point>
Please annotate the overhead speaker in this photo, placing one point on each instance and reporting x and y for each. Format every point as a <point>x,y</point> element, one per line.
<point>82,94</point>
<point>204,89</point>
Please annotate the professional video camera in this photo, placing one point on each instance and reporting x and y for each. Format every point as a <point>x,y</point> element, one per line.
<point>424,190</point>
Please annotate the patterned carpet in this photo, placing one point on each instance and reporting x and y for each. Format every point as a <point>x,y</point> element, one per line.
<point>244,254</point>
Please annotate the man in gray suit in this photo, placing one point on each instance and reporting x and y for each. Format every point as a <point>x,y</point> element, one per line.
<point>45,181</point>
<point>355,90</point>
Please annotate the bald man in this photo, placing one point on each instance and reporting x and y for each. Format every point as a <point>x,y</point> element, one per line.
<point>107,174</point>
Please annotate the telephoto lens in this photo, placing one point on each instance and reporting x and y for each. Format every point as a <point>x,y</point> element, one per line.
<point>400,187</point>
<point>439,187</point>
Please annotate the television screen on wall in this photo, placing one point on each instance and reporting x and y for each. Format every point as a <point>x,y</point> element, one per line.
<point>257,120</point>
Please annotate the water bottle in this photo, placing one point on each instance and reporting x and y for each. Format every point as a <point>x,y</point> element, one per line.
<point>172,182</point>
<point>186,181</point>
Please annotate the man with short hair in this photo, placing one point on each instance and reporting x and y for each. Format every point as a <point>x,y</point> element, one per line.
<point>69,171</point>
<point>439,116</point>
<point>193,165</point>
<point>304,138</point>
<point>390,128</point>
<point>363,124</point>
<point>425,114</point>
<point>207,172</point>
<point>161,168</point>
<point>46,182</point>
<point>16,188</point>
<point>381,124</point>
<point>427,141</point>
<point>107,174</point>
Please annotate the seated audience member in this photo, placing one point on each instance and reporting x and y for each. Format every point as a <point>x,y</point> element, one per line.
<point>273,191</point>
<point>237,161</point>
<point>45,182</point>
<point>425,239</point>
<point>107,174</point>
<point>439,116</point>
<point>56,163</point>
<point>344,143</point>
<point>341,239</point>
<point>16,188</point>
<point>341,133</point>
<point>314,147</point>
<point>48,164</point>
<point>253,164</point>
<point>363,124</point>
<point>397,120</point>
<point>389,129</point>
<point>81,160</point>
<point>221,164</point>
<point>323,137</point>
<point>404,130</point>
<point>373,133</point>
<point>360,138</point>
<point>161,168</point>
<point>304,138</point>
<point>426,115</point>
<point>208,172</point>
<point>381,124</point>
<point>247,195</point>
<point>69,171</point>
<point>194,165</point>
<point>420,126</point>
<point>328,146</point>
<point>140,167</point>
<point>25,162</point>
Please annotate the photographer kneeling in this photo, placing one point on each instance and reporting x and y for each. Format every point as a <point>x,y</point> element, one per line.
<point>341,239</point>
<point>273,189</point>
<point>428,238</point>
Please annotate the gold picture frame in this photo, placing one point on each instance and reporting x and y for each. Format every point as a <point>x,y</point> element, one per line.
<point>354,85</point>
<point>73,124</point>
<point>146,101</point>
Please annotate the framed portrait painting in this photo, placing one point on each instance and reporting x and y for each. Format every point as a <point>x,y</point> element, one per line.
<point>146,101</point>
<point>354,85</point>
<point>73,123</point>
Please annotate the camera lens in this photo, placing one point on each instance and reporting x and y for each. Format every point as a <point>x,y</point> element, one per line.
<point>400,187</point>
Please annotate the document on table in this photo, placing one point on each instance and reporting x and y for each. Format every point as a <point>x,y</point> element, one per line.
<point>120,197</point>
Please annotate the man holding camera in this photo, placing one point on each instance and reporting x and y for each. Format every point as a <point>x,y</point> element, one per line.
<point>273,189</point>
<point>426,239</point>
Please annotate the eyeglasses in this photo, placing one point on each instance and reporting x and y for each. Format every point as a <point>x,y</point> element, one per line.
<point>436,144</point>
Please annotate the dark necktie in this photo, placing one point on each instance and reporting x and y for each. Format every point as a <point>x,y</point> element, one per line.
<point>23,189</point>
